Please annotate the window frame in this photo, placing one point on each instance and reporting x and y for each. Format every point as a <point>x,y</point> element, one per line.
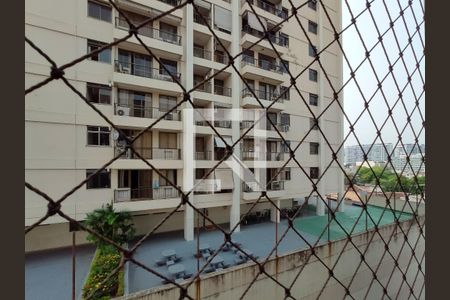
<point>98,44</point>
<point>314,78</point>
<point>90,130</point>
<point>313,96</point>
<point>101,6</point>
<point>312,50</point>
<point>314,148</point>
<point>312,125</point>
<point>312,4</point>
<point>314,172</point>
<point>96,180</point>
<point>313,27</point>
<point>99,87</point>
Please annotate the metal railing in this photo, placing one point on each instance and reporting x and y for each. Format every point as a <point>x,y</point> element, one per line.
<point>203,155</point>
<point>222,91</point>
<point>259,155</point>
<point>202,53</point>
<point>143,70</point>
<point>144,111</point>
<point>262,64</point>
<point>199,19</point>
<point>150,153</point>
<point>145,193</point>
<point>250,187</point>
<point>204,87</point>
<point>269,7</point>
<point>220,58</point>
<point>278,40</point>
<point>151,32</point>
<point>263,94</point>
<point>281,127</point>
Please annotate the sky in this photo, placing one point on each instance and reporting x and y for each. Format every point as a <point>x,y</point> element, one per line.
<point>355,52</point>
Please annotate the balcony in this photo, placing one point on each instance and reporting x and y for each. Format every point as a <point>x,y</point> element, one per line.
<point>217,124</point>
<point>203,155</point>
<point>218,89</point>
<point>263,95</point>
<point>202,53</point>
<point>268,156</point>
<point>272,186</point>
<point>151,153</point>
<point>171,2</point>
<point>202,19</point>
<point>145,193</point>
<point>143,70</point>
<point>143,111</point>
<point>281,127</point>
<point>220,58</point>
<point>261,64</point>
<point>269,8</point>
<point>151,32</point>
<point>277,40</point>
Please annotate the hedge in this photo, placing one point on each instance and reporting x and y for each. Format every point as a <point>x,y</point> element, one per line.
<point>106,259</point>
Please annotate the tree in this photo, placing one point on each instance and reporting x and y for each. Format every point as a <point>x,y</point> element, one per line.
<point>116,226</point>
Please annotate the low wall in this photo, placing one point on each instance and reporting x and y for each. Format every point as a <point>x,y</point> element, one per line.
<point>233,282</point>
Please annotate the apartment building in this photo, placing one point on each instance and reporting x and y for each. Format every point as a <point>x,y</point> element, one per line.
<point>375,152</point>
<point>66,140</point>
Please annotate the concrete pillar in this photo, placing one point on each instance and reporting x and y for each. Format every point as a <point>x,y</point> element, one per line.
<point>340,155</point>
<point>188,124</point>
<point>235,211</point>
<point>320,207</point>
<point>274,212</point>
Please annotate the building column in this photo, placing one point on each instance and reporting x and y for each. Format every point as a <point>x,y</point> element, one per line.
<point>274,212</point>
<point>320,206</point>
<point>340,155</point>
<point>188,124</point>
<point>235,210</point>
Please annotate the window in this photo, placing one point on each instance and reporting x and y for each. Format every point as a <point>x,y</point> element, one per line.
<point>285,174</point>
<point>314,172</point>
<point>313,99</point>
<point>168,32</point>
<point>284,66</point>
<point>284,91</point>
<point>104,56</point>
<point>166,103</point>
<point>100,181</point>
<point>312,4</point>
<point>97,136</point>
<point>312,124</point>
<point>312,27</point>
<point>199,173</point>
<point>167,140</point>
<point>171,67</point>
<point>313,75</point>
<point>284,39</point>
<point>99,11</point>
<point>313,148</point>
<point>171,176</point>
<point>285,146</point>
<point>285,119</point>
<point>98,93</point>
<point>312,50</point>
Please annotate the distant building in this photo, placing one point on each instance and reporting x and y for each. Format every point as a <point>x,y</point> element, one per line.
<point>416,166</point>
<point>376,152</point>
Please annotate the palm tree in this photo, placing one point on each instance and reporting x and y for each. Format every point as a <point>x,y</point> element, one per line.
<point>116,226</point>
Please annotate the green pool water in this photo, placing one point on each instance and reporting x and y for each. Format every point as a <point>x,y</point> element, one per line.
<point>315,224</point>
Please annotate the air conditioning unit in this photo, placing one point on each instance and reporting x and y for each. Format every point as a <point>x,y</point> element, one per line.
<point>285,128</point>
<point>122,111</point>
<point>123,194</point>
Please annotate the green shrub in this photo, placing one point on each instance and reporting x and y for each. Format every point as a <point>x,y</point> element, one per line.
<point>106,259</point>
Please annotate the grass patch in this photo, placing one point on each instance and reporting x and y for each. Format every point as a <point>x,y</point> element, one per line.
<point>106,259</point>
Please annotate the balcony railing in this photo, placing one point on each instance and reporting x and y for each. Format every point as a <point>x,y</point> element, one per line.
<point>219,124</point>
<point>221,90</point>
<point>278,40</point>
<point>204,87</point>
<point>143,70</point>
<point>199,19</point>
<point>144,111</point>
<point>220,58</point>
<point>202,53</point>
<point>263,94</point>
<point>268,156</point>
<point>171,2</point>
<point>262,64</point>
<point>203,155</point>
<point>151,32</point>
<point>269,8</point>
<point>145,193</point>
<point>281,127</point>
<point>151,153</point>
<point>272,186</point>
